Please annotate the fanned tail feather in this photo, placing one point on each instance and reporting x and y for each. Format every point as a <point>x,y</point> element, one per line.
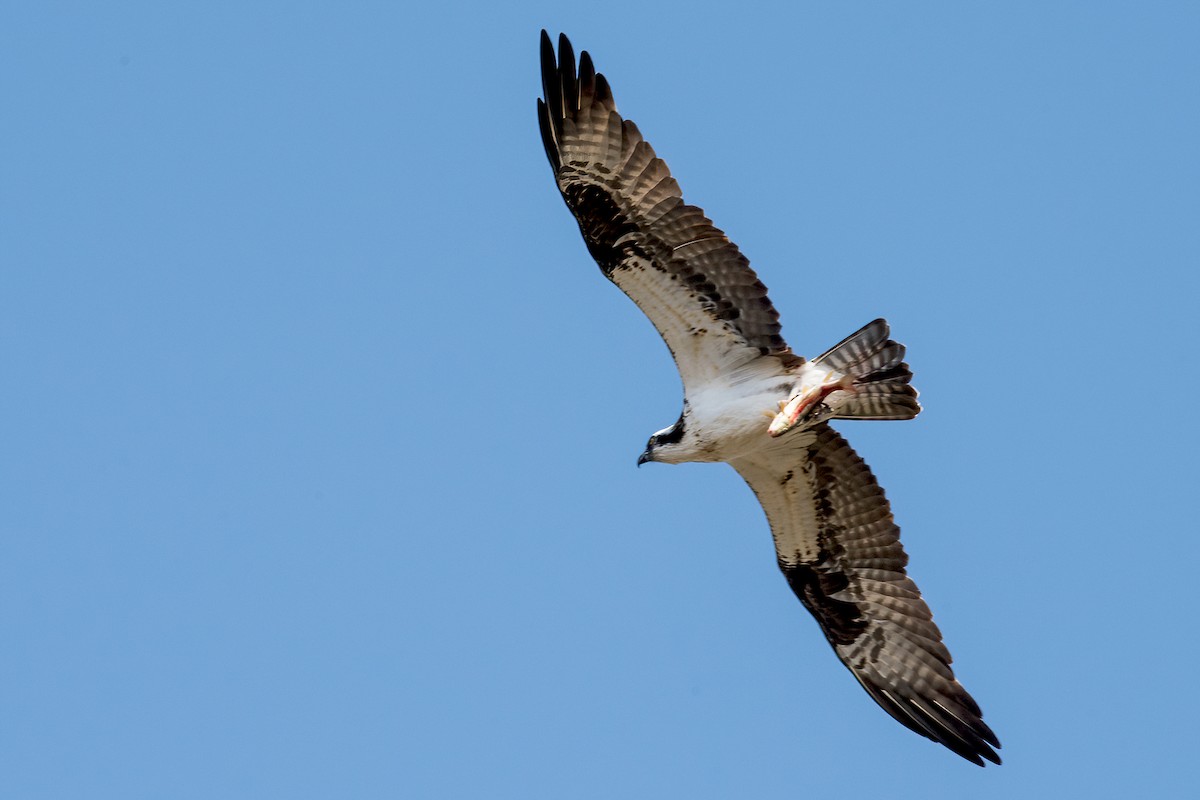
<point>881,378</point>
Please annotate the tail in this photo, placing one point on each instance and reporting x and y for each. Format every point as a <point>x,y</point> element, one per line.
<point>881,377</point>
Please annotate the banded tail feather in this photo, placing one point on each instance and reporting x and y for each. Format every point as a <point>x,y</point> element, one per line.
<point>881,378</point>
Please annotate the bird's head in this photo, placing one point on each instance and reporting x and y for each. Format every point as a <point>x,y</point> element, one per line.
<point>666,446</point>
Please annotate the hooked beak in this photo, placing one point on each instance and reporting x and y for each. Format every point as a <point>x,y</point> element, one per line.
<point>644,457</point>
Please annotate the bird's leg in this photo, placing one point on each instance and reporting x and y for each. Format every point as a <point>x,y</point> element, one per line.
<point>791,411</point>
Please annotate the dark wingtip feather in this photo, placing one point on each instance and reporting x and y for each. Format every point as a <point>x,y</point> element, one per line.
<point>587,70</point>
<point>965,734</point>
<point>566,74</point>
<point>550,112</point>
<point>960,732</point>
<point>603,92</point>
<point>988,736</point>
<point>966,738</point>
<point>587,79</point>
<point>551,87</point>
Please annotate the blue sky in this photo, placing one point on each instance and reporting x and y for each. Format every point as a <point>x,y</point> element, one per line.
<point>319,425</point>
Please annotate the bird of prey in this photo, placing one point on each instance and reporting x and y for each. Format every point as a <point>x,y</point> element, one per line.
<point>835,539</point>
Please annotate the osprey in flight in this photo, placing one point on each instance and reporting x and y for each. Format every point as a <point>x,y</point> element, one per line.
<point>835,539</point>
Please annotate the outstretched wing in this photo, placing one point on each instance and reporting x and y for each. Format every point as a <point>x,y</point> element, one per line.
<point>840,551</point>
<point>684,273</point>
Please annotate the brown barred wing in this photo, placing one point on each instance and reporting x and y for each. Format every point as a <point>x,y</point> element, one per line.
<point>839,548</point>
<point>685,274</point>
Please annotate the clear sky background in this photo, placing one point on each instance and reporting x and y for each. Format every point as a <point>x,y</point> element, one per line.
<point>318,423</point>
